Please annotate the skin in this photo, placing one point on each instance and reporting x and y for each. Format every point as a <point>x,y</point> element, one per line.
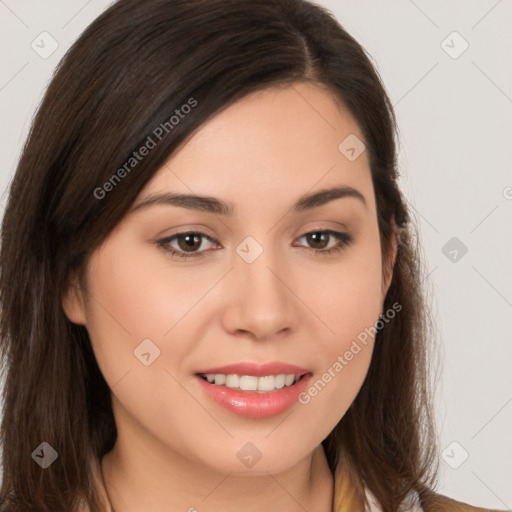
<point>176,449</point>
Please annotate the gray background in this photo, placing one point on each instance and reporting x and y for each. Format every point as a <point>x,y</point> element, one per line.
<point>454,114</point>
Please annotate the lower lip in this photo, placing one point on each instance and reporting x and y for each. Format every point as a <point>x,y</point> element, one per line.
<point>253,404</point>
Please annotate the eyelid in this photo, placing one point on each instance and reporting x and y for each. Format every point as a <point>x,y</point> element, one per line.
<point>344,239</point>
<point>163,242</point>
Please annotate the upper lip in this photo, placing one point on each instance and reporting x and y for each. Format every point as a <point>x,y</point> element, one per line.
<point>257,370</point>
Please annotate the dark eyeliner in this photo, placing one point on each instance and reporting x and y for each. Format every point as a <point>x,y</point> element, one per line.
<point>344,240</point>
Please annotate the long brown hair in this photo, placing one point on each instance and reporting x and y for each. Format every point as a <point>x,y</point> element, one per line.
<point>128,73</point>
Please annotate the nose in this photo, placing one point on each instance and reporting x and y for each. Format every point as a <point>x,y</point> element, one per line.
<point>260,298</point>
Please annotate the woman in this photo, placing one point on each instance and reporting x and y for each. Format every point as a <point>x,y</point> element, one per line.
<point>210,287</point>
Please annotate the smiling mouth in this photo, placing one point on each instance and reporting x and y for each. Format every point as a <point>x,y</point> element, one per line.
<point>262,384</point>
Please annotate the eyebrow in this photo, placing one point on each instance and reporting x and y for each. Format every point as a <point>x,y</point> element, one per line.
<point>217,206</point>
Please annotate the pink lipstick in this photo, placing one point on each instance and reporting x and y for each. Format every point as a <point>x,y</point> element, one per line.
<point>254,391</point>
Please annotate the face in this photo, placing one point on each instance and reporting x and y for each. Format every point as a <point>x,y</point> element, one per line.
<point>278,286</point>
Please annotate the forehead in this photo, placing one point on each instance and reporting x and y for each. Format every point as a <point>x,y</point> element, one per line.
<point>287,138</point>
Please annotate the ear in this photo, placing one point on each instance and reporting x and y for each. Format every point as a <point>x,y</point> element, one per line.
<point>388,271</point>
<point>72,301</point>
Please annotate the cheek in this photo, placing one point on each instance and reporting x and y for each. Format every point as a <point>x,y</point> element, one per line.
<point>347,299</point>
<point>135,295</point>
<point>331,392</point>
<point>345,356</point>
<point>129,304</point>
<point>345,296</point>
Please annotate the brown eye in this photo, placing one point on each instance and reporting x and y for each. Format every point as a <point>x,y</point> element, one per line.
<point>319,240</point>
<point>185,245</point>
<point>189,241</point>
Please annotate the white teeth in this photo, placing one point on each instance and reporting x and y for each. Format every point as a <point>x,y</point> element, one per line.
<point>248,383</point>
<point>232,381</point>
<point>280,379</point>
<point>251,382</point>
<point>220,379</point>
<point>267,383</point>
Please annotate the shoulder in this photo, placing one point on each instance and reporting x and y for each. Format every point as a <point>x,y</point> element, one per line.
<point>441,503</point>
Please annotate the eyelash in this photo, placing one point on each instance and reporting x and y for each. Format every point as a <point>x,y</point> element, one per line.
<point>344,240</point>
